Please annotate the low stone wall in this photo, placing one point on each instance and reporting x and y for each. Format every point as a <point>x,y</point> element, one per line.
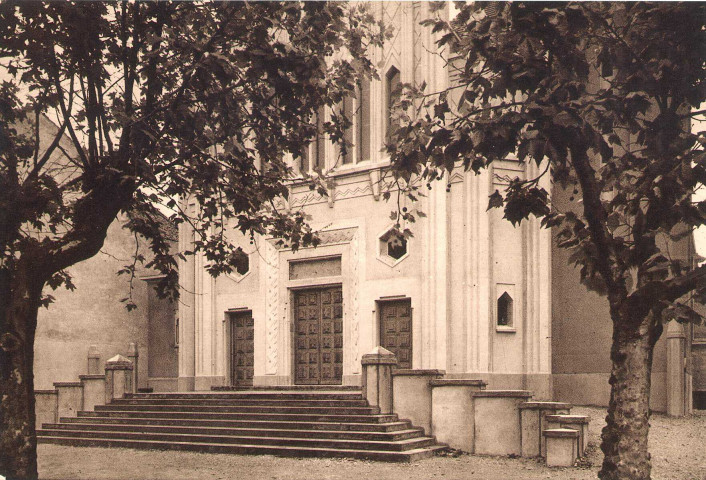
<point>452,417</point>
<point>45,407</point>
<point>70,398</point>
<point>93,390</point>
<point>498,426</point>
<point>411,395</point>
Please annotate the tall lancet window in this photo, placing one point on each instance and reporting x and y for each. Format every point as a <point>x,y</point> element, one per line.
<point>392,96</point>
<point>314,154</point>
<point>362,121</point>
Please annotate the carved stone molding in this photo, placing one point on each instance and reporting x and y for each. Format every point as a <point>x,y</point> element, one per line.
<point>327,237</point>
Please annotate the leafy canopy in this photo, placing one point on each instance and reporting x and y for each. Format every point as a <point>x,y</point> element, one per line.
<point>599,96</point>
<point>160,101</point>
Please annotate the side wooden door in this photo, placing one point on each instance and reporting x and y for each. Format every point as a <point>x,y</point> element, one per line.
<point>396,330</point>
<point>242,330</point>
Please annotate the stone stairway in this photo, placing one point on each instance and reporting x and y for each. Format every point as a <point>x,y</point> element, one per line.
<point>286,422</point>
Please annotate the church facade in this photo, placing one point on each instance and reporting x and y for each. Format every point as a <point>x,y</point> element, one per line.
<point>468,294</point>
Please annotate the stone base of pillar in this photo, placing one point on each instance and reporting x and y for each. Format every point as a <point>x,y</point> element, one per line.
<point>45,407</point>
<point>185,384</point>
<point>118,378</point>
<point>377,378</point>
<point>561,447</point>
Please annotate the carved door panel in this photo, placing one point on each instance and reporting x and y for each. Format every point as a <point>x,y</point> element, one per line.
<point>242,349</point>
<point>318,342</point>
<point>396,330</point>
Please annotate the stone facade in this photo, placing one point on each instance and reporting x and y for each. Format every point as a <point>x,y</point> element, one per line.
<point>440,294</point>
<point>469,294</point>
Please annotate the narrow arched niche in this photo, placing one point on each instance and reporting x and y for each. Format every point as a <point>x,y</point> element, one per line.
<point>504,310</point>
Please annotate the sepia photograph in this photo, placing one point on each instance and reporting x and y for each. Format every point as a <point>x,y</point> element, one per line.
<point>347,240</point>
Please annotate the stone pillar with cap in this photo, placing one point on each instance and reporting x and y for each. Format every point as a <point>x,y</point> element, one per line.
<point>377,378</point>
<point>676,374</point>
<point>94,358</point>
<point>118,377</point>
<point>133,355</point>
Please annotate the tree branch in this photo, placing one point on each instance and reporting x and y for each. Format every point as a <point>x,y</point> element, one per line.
<point>39,164</point>
<point>595,216</point>
<point>680,286</point>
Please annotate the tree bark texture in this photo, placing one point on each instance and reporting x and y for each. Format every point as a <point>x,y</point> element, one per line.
<point>20,295</point>
<point>624,438</point>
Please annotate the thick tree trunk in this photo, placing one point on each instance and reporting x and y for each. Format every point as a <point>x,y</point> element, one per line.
<point>624,438</point>
<point>20,294</point>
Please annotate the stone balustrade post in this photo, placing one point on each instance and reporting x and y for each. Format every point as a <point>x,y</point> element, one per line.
<point>118,378</point>
<point>676,377</point>
<point>377,378</point>
<point>133,355</point>
<point>94,359</point>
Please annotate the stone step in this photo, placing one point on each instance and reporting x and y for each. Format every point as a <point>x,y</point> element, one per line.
<point>264,409</point>
<point>388,456</point>
<point>402,434</point>
<point>400,445</point>
<point>545,405</point>
<point>253,395</point>
<point>318,402</point>
<point>299,425</point>
<point>278,421</point>
<point>284,388</point>
<point>568,419</point>
<point>533,415</point>
<point>574,422</point>
<point>371,418</point>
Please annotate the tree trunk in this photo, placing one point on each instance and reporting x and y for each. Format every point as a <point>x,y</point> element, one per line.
<point>20,295</point>
<point>624,438</point>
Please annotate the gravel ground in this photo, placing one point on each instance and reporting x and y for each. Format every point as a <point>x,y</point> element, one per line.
<point>678,447</point>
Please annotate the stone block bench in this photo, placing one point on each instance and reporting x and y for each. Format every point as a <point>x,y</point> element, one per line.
<point>497,423</point>
<point>452,411</point>
<point>573,422</point>
<point>533,416</point>
<point>562,446</point>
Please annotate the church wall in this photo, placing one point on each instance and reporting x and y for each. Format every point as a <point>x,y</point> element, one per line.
<point>582,336</point>
<point>92,315</point>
